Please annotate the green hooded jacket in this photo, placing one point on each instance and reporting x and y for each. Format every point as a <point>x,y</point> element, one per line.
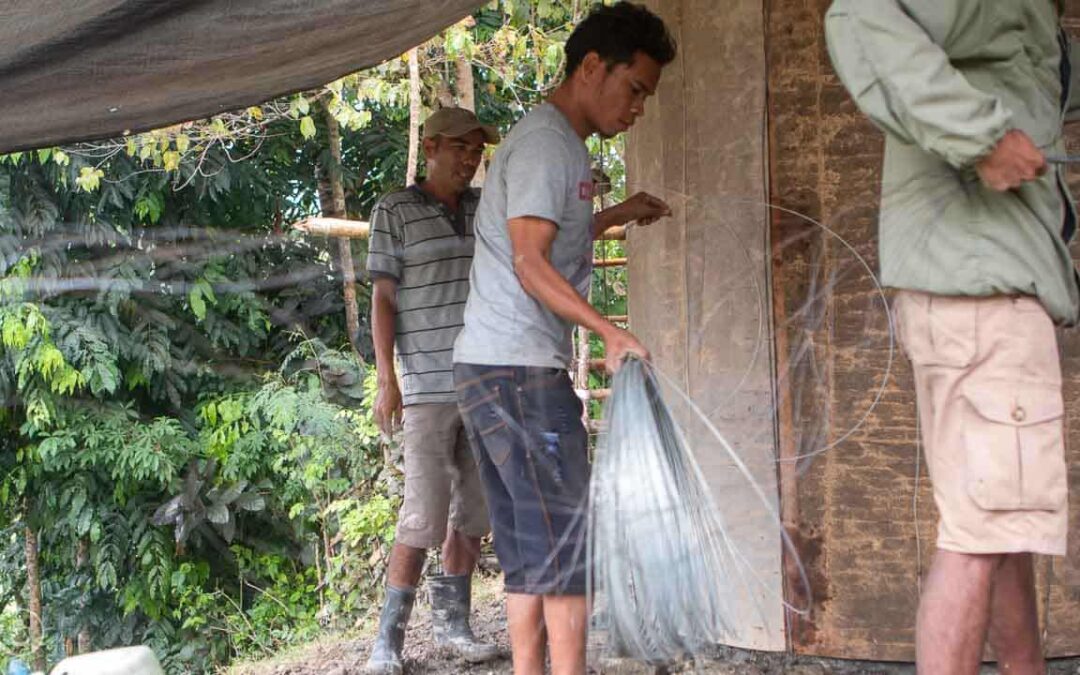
<point>945,80</point>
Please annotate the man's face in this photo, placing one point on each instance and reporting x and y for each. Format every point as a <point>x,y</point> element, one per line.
<point>453,161</point>
<point>620,92</point>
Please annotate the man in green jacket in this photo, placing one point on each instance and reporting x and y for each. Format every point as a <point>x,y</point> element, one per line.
<point>974,225</point>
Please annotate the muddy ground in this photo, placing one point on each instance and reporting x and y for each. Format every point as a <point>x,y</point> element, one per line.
<point>345,655</point>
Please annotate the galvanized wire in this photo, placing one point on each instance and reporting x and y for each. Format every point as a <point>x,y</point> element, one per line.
<point>662,567</point>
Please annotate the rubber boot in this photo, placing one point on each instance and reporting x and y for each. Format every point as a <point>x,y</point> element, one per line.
<point>385,656</point>
<point>451,600</point>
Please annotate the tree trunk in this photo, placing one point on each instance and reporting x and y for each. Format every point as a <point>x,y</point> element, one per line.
<point>82,559</point>
<point>466,91</point>
<point>443,94</point>
<point>332,201</point>
<point>414,116</point>
<point>466,88</point>
<point>33,583</point>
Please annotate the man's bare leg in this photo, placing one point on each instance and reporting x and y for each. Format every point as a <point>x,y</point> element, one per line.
<point>525,619</point>
<point>406,564</point>
<point>460,553</point>
<point>1014,621</point>
<point>567,618</point>
<point>954,612</point>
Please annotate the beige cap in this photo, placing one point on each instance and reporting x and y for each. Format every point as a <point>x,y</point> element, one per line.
<point>455,123</point>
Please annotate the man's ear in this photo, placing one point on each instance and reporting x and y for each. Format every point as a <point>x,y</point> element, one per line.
<point>591,69</point>
<point>431,145</point>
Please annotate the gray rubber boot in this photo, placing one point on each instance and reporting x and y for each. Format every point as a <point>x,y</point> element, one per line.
<point>451,601</point>
<point>385,656</point>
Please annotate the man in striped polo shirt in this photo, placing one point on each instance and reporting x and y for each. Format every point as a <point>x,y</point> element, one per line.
<point>420,253</point>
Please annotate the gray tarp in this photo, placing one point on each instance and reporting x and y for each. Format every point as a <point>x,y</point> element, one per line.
<point>79,69</point>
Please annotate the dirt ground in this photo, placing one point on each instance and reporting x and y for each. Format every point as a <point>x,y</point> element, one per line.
<point>345,655</point>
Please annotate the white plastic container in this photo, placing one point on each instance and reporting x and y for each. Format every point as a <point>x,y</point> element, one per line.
<point>124,661</point>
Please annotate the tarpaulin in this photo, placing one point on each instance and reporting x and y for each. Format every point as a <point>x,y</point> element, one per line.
<point>81,69</point>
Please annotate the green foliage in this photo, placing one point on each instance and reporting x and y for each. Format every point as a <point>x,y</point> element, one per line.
<point>119,328</point>
<point>185,424</point>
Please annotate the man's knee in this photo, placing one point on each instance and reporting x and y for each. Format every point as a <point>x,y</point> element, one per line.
<point>988,562</point>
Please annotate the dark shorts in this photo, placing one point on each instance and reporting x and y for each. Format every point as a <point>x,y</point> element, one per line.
<point>531,448</point>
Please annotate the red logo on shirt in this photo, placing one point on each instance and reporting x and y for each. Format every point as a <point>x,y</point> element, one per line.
<point>586,189</point>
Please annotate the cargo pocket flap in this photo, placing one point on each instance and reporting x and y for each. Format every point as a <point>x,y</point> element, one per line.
<point>1018,405</point>
<point>1014,446</point>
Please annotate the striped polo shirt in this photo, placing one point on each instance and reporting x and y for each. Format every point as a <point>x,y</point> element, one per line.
<point>428,249</point>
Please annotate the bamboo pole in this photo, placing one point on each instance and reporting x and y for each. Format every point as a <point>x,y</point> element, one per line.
<point>334,227</point>
<point>617,233</point>
<point>593,394</point>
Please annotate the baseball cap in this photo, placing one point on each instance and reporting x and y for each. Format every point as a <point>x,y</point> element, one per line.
<point>455,122</point>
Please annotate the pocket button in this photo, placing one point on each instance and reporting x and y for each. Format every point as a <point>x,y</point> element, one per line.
<point>1018,414</point>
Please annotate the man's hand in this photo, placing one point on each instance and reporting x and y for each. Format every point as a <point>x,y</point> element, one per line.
<point>388,410</point>
<point>644,208</point>
<point>618,344</point>
<point>1014,161</point>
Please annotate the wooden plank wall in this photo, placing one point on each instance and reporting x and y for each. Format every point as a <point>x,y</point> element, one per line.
<point>698,280</point>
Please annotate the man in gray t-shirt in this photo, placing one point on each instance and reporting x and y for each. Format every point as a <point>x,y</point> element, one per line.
<point>530,276</point>
<point>542,171</point>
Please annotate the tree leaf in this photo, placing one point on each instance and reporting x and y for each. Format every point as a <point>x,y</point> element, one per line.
<point>251,501</point>
<point>217,513</point>
<point>228,530</point>
<point>229,494</point>
<point>307,127</point>
<point>89,178</point>
<point>171,160</point>
<point>167,513</point>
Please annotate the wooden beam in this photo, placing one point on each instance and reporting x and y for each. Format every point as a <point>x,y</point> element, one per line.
<point>334,227</point>
<point>596,427</point>
<point>593,394</point>
<point>617,233</point>
<point>609,262</point>
<point>358,229</point>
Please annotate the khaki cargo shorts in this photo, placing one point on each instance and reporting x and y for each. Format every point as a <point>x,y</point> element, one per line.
<point>441,482</point>
<point>988,386</point>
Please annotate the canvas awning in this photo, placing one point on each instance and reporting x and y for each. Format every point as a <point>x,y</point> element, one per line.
<point>96,68</point>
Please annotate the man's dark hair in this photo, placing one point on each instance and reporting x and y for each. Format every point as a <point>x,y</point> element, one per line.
<point>616,33</point>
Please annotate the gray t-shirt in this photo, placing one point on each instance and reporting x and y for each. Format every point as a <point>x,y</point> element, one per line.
<point>542,169</point>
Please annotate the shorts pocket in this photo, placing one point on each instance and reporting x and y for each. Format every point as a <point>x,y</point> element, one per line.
<point>497,444</point>
<point>488,420</point>
<point>937,330</point>
<point>548,455</point>
<point>1014,446</point>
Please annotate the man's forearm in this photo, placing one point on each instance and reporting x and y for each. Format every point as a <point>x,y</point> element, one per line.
<point>607,219</point>
<point>601,223</point>
<point>544,283</point>
<point>383,317</point>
